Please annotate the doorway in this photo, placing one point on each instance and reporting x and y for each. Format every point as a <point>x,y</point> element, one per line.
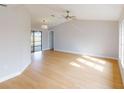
<point>51,40</point>
<point>36,41</point>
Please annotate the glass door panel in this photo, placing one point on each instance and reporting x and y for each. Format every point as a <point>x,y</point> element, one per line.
<point>36,41</point>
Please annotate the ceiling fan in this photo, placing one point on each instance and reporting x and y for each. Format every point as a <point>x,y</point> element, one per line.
<point>3,5</point>
<point>68,16</point>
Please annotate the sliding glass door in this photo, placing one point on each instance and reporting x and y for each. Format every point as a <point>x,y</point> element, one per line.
<point>36,41</point>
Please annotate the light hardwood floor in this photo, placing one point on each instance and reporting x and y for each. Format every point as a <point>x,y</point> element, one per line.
<point>64,70</point>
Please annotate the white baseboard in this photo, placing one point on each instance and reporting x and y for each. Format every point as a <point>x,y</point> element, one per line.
<point>45,49</point>
<point>9,76</point>
<point>13,75</point>
<point>78,53</point>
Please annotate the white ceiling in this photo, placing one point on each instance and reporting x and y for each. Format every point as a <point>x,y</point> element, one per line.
<point>81,11</point>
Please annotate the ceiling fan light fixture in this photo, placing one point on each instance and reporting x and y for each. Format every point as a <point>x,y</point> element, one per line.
<point>44,25</point>
<point>68,16</point>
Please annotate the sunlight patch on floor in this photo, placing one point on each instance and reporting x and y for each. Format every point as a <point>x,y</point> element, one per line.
<point>75,64</point>
<point>94,59</point>
<point>90,64</point>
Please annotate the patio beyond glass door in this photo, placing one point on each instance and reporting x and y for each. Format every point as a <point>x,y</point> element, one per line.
<point>36,41</point>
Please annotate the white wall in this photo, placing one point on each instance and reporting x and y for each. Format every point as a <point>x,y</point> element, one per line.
<point>15,53</point>
<point>99,38</point>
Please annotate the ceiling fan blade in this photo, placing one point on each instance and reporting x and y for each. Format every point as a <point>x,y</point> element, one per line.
<point>3,5</point>
<point>74,18</point>
<point>71,17</point>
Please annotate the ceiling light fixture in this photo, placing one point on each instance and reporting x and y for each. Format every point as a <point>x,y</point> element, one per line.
<point>44,25</point>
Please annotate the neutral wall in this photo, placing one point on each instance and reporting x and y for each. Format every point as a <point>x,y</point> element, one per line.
<point>15,50</point>
<point>97,38</point>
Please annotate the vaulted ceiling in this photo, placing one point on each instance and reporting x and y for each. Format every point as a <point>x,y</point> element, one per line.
<point>81,11</point>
